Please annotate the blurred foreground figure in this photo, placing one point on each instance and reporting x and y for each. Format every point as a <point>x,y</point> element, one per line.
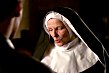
<point>73,47</point>
<point>10,60</point>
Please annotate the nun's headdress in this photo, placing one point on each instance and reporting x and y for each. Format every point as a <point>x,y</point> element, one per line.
<point>78,26</point>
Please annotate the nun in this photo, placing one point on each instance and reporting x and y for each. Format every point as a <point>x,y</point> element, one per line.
<point>73,47</point>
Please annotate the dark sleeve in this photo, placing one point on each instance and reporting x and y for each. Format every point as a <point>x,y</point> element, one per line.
<point>11,61</point>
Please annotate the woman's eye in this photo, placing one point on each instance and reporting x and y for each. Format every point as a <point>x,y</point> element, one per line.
<point>49,29</point>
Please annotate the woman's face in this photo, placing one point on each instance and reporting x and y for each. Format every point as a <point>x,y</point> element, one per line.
<point>58,31</point>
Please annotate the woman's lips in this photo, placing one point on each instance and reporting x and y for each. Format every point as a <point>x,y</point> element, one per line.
<point>57,41</point>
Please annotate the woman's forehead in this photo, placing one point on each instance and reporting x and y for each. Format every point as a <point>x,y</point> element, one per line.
<point>54,21</point>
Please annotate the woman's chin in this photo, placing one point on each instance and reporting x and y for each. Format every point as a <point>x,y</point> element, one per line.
<point>59,44</point>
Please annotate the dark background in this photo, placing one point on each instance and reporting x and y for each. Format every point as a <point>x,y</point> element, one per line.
<point>95,13</point>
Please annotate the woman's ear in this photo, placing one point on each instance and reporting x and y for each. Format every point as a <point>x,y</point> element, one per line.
<point>18,9</point>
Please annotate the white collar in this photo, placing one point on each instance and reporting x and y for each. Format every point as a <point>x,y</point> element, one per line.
<point>73,60</point>
<point>10,43</point>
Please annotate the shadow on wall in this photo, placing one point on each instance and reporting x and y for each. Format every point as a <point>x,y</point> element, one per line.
<point>95,14</point>
<point>23,44</point>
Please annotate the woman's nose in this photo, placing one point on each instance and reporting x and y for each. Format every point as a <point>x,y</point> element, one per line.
<point>55,33</point>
